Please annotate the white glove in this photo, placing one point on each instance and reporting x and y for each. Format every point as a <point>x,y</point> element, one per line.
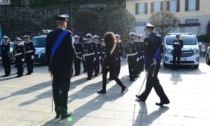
<point>116,58</point>
<point>32,57</point>
<point>137,59</point>
<point>0,58</point>
<point>23,60</point>
<point>94,59</point>
<point>127,59</point>
<point>99,58</point>
<point>140,57</point>
<point>120,58</point>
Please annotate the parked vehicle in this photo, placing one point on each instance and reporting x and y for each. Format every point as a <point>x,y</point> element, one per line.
<point>39,44</point>
<point>208,55</point>
<point>190,51</point>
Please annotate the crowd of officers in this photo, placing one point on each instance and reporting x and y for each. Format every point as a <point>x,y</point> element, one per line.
<point>23,52</point>
<point>92,53</point>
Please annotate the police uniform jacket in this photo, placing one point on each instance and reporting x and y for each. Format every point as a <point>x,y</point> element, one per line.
<point>132,49</point>
<point>119,49</point>
<point>151,45</point>
<point>5,50</point>
<point>18,51</point>
<point>29,49</point>
<point>99,49</point>
<point>78,48</point>
<point>177,44</point>
<point>65,53</point>
<point>90,49</point>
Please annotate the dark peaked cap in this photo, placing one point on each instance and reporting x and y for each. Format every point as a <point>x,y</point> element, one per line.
<point>62,17</point>
<point>149,26</point>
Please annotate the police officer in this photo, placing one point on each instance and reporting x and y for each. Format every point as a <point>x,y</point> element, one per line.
<point>79,51</point>
<point>177,52</point>
<point>83,60</point>
<point>119,50</point>
<point>29,54</point>
<point>99,54</point>
<point>5,47</point>
<point>152,51</point>
<point>19,56</point>
<point>141,60</point>
<point>90,54</point>
<point>60,55</point>
<point>133,52</point>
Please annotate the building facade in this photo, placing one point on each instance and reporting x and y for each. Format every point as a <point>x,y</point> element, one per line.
<point>193,15</point>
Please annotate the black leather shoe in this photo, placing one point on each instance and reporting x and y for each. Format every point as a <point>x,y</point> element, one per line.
<point>89,78</point>
<point>162,103</point>
<point>58,113</point>
<point>132,79</point>
<point>102,91</point>
<point>28,73</point>
<point>95,75</point>
<point>64,113</point>
<point>19,76</point>
<point>5,75</point>
<point>139,98</point>
<point>123,89</point>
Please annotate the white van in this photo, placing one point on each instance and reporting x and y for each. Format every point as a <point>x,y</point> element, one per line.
<point>190,50</point>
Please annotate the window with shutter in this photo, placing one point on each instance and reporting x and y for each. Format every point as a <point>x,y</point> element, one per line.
<point>178,6</point>
<point>152,7</point>
<point>186,5</point>
<point>168,5</point>
<point>137,8</point>
<point>146,8</point>
<point>197,5</point>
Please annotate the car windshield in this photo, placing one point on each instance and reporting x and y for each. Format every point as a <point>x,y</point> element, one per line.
<point>39,42</point>
<point>187,40</point>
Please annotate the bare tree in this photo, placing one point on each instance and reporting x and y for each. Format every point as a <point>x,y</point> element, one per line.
<point>121,21</point>
<point>165,21</point>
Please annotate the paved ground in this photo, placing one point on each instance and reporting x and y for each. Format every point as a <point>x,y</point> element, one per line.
<point>26,101</point>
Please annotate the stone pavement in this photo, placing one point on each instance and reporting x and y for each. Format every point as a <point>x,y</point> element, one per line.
<point>27,101</point>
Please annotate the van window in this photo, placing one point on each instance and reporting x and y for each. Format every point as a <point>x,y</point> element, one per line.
<point>39,42</point>
<point>187,40</point>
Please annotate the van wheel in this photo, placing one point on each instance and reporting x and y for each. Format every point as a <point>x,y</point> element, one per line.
<point>165,65</point>
<point>196,66</point>
<point>207,60</point>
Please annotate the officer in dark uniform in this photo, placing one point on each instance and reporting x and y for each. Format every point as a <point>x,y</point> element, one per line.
<point>79,51</point>
<point>133,52</point>
<point>90,54</point>
<point>177,52</point>
<point>29,54</point>
<point>60,59</point>
<point>141,60</point>
<point>99,54</point>
<point>83,60</point>
<point>119,50</point>
<point>19,57</point>
<point>152,51</point>
<point>5,48</point>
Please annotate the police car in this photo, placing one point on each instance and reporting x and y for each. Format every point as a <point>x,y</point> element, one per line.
<point>190,51</point>
<point>39,44</point>
<point>208,55</point>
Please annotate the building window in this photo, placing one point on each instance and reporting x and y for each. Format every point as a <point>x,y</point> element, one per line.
<point>141,8</point>
<point>156,6</point>
<point>192,5</point>
<point>173,5</point>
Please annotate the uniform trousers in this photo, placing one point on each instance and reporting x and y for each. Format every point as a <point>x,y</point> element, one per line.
<point>19,65</point>
<point>6,64</point>
<point>30,64</point>
<point>61,84</point>
<point>132,66</point>
<point>77,66</point>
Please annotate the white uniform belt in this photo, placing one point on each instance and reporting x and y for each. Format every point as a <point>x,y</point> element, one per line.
<point>18,54</point>
<point>29,51</point>
<point>89,54</point>
<point>103,52</point>
<point>99,52</point>
<point>132,54</point>
<point>78,52</point>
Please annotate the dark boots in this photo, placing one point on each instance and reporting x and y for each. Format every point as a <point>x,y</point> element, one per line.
<point>62,113</point>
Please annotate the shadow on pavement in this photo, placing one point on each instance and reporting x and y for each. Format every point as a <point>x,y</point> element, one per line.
<point>95,103</point>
